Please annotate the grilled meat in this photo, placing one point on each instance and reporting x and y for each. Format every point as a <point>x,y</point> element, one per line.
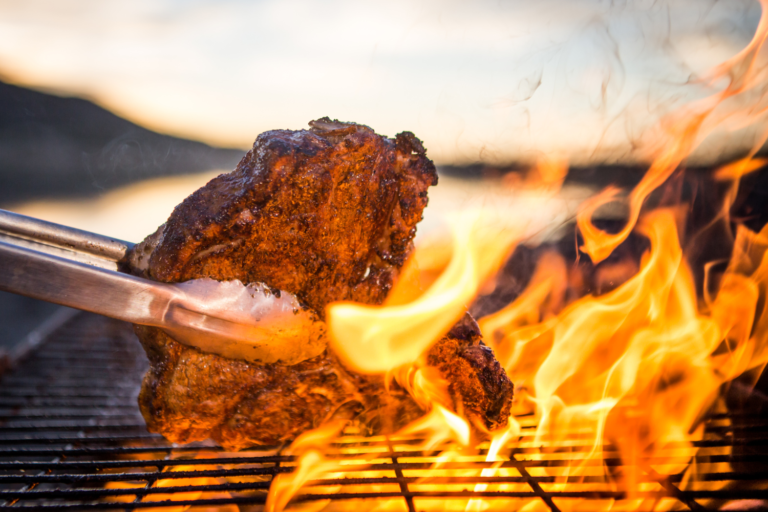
<point>327,214</point>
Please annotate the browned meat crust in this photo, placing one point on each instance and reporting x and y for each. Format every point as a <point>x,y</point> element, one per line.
<point>327,214</point>
<point>188,395</point>
<point>478,384</point>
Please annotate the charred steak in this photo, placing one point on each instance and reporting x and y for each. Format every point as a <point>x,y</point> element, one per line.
<point>327,214</point>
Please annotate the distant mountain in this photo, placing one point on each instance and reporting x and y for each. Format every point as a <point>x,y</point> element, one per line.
<point>52,146</point>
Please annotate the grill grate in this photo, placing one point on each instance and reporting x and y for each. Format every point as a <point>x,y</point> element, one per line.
<point>71,437</point>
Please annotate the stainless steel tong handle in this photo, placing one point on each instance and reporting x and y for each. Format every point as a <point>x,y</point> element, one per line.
<point>76,268</point>
<point>82,286</point>
<point>63,241</point>
<point>79,269</point>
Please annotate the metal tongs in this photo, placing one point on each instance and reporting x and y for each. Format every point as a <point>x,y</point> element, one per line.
<point>79,269</point>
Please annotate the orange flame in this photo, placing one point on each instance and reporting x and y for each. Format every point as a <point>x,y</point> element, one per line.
<point>682,132</point>
<point>441,425</point>
<point>310,446</point>
<point>499,441</point>
<point>635,367</point>
<point>176,482</point>
<point>640,365</point>
<point>630,371</point>
<point>378,339</point>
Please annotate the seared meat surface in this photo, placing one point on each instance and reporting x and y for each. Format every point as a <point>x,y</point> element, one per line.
<point>326,214</point>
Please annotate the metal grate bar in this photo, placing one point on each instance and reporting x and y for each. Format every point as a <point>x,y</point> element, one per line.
<point>516,464</point>
<point>326,482</point>
<point>738,495</point>
<point>402,482</point>
<point>73,439</point>
<point>525,478</point>
<point>667,484</point>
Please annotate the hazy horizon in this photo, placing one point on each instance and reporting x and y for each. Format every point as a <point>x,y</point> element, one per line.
<point>484,81</point>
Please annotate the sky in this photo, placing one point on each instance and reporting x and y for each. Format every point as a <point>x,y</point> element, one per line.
<point>481,80</point>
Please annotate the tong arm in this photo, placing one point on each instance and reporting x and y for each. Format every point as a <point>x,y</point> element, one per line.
<point>76,268</point>
<point>82,286</point>
<point>71,243</point>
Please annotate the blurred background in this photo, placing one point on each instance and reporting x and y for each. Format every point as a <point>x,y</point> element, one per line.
<point>113,112</point>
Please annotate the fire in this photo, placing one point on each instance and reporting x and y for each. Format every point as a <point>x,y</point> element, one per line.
<point>633,366</point>
<point>440,426</point>
<point>311,464</point>
<point>682,131</point>
<point>629,372</point>
<point>378,339</point>
<point>173,483</point>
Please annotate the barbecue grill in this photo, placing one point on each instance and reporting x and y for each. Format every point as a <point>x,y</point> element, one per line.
<point>72,437</point>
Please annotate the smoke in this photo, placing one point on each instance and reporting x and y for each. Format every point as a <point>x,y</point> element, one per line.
<point>485,79</point>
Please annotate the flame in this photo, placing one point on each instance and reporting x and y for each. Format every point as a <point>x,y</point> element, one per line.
<point>378,339</point>
<point>740,308</point>
<point>499,441</point>
<point>441,425</point>
<point>544,178</point>
<point>312,463</point>
<point>550,172</point>
<point>681,132</point>
<point>542,298</point>
<point>735,170</point>
<point>639,365</point>
<point>629,371</point>
<point>177,482</point>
